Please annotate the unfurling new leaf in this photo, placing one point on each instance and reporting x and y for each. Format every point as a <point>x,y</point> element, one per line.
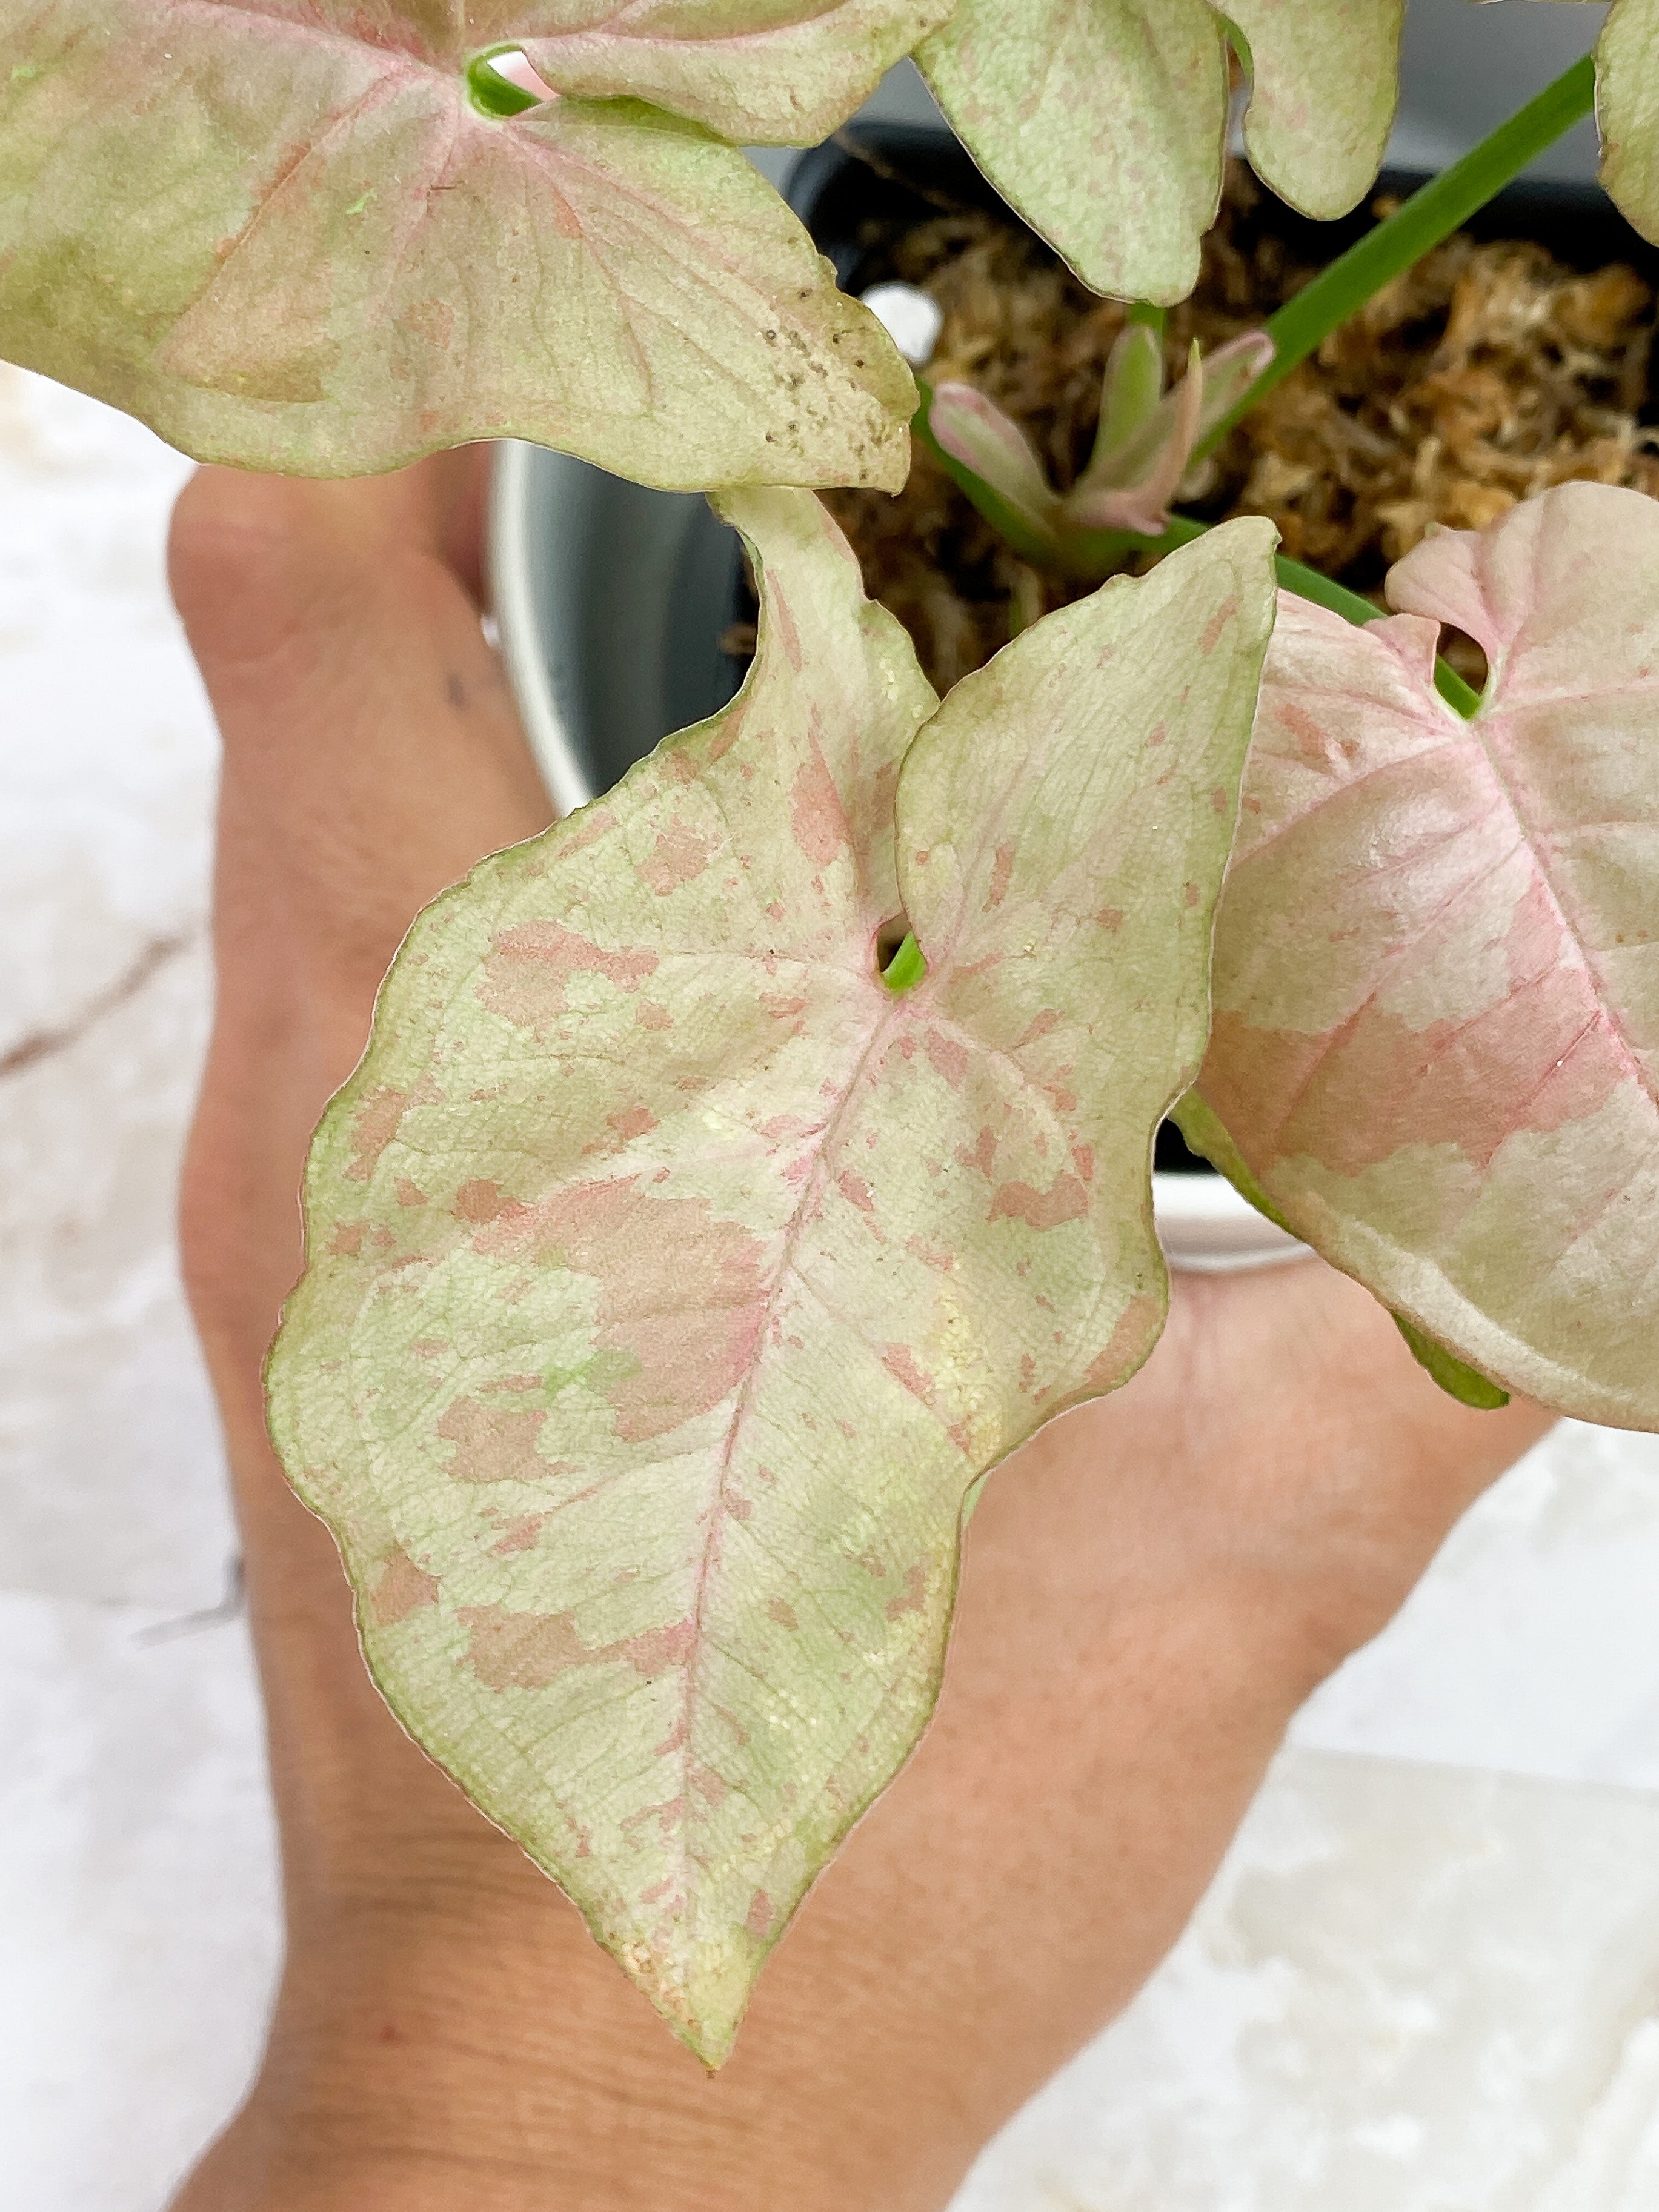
<point>1143,447</point>
<point>1436,977</point>
<point>673,1282</point>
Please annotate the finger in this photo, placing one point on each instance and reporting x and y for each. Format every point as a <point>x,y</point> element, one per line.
<point>371,756</point>
<point>371,753</point>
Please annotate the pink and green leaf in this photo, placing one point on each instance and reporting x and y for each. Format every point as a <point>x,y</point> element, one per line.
<point>1324,86</point>
<point>1628,109</point>
<point>673,1283</point>
<point>763,72</point>
<point>285,236</point>
<point>1105,124</point>
<point>1436,979</point>
<point>973,430</point>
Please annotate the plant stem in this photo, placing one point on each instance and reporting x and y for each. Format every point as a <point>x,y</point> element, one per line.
<point>1105,547</point>
<point>1422,222</point>
<point>1092,556</point>
<point>1011,526</point>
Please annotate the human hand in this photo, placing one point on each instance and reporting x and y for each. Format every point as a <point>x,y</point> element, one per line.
<point>1151,1588</point>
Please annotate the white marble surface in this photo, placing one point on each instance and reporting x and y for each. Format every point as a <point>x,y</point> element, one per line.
<point>1428,1979</point>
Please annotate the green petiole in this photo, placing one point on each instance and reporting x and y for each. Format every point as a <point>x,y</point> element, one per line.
<point>1426,220</point>
<point>907,967</point>
<point>492,94</point>
<point>1092,556</point>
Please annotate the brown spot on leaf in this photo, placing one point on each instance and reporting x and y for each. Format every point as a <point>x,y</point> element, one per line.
<point>782,1613</point>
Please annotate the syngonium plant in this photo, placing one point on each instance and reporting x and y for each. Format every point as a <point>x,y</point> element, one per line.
<point>741,1170</point>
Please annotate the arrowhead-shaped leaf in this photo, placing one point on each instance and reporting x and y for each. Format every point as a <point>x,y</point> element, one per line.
<point>1436,979</point>
<point>1105,124</point>
<point>765,72</point>
<point>673,1283</point>
<point>282,235</point>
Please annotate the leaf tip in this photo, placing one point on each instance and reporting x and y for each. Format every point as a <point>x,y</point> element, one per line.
<point>1456,1378</point>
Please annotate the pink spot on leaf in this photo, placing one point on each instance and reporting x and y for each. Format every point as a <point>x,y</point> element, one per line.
<point>1002,869</point>
<point>914,1598</point>
<point>401,1588</point>
<point>1065,1200</point>
<point>1216,627</point>
<point>530,1650</point>
<point>492,1443</point>
<point>681,1292</point>
<point>949,1055</point>
<point>634,1121</point>
<point>816,813</point>
<point>479,1201</point>
<point>983,1157</point>
<point>678,856</point>
<point>528,972</point>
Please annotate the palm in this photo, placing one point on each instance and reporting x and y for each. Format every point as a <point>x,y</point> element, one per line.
<point>1150,1586</point>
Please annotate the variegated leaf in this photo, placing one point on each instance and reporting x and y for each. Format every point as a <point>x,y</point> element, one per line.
<point>282,235</point>
<point>1325,83</point>
<point>673,1282</point>
<point>1437,980</point>
<point>766,72</point>
<point>1105,121</point>
<point>1628,109</point>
